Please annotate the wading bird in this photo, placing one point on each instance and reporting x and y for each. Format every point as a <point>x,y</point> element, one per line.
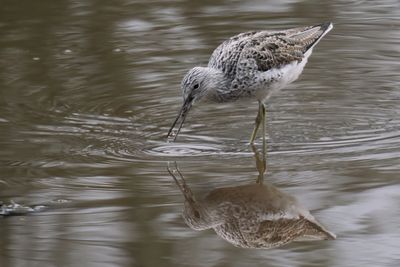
<point>251,64</point>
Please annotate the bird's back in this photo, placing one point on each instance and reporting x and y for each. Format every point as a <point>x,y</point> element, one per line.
<point>269,49</point>
<point>259,63</point>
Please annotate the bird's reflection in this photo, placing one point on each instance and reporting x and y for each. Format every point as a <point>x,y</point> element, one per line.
<point>257,215</point>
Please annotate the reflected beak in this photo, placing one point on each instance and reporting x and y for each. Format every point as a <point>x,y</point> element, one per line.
<point>187,193</point>
<point>181,117</point>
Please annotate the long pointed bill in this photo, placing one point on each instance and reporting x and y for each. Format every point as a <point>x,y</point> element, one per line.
<point>181,117</point>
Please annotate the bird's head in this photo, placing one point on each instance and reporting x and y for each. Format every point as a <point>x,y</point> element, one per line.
<point>197,83</point>
<point>197,217</point>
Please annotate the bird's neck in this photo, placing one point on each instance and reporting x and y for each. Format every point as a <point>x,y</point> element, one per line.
<point>216,83</point>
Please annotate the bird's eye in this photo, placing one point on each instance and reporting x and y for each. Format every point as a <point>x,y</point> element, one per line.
<point>196,86</point>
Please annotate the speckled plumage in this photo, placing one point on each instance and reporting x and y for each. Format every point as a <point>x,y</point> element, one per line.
<point>251,64</point>
<point>251,216</point>
<point>246,59</point>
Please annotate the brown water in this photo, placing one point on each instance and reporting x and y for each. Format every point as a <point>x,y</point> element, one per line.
<point>88,90</point>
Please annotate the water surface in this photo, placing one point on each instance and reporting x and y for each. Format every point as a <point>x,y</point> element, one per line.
<point>89,89</point>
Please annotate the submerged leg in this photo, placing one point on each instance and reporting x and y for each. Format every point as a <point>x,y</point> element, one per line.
<point>261,165</point>
<point>258,122</point>
<point>264,114</point>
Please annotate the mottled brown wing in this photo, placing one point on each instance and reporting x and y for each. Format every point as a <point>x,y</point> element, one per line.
<point>264,50</point>
<point>263,53</point>
<point>268,50</point>
<point>277,233</point>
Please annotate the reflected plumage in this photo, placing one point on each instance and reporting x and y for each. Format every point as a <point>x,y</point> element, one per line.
<point>251,216</point>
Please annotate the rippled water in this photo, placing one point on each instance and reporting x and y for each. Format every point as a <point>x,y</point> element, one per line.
<point>88,91</point>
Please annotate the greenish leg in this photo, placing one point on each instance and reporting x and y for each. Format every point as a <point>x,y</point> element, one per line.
<point>258,122</point>
<point>261,165</point>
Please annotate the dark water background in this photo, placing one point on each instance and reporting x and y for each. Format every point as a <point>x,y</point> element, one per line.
<point>88,90</point>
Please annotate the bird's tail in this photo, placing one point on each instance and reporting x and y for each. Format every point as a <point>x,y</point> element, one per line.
<point>311,35</point>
